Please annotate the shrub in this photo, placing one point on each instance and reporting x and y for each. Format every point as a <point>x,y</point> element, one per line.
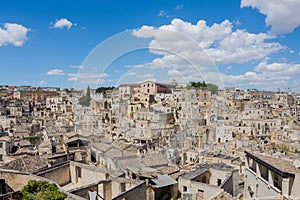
<point>41,190</point>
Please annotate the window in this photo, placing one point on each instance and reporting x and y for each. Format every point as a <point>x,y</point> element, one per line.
<point>219,182</point>
<point>122,187</point>
<point>252,164</point>
<point>185,188</point>
<point>78,172</point>
<point>276,181</point>
<point>1,144</point>
<point>201,193</point>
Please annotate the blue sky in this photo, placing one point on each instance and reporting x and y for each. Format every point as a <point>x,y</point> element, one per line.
<point>241,43</point>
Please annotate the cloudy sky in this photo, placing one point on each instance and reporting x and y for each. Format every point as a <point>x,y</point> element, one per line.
<point>241,43</point>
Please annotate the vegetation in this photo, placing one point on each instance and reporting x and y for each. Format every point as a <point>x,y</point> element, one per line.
<point>104,89</point>
<point>32,139</point>
<point>85,100</point>
<point>198,84</point>
<point>41,190</point>
<point>211,87</point>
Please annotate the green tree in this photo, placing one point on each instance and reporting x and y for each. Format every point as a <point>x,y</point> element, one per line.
<point>213,88</point>
<point>85,100</point>
<point>88,92</point>
<point>104,89</point>
<point>198,84</point>
<point>41,190</point>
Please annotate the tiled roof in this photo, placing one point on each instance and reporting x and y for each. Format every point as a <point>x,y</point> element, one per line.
<point>27,164</point>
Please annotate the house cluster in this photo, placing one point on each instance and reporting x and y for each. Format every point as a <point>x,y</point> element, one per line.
<point>151,141</point>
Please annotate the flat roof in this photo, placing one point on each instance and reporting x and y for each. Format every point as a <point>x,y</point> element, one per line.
<point>193,174</point>
<point>163,181</point>
<point>282,166</point>
<point>205,167</point>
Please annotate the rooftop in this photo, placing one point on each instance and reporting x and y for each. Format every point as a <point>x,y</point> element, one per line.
<point>204,168</point>
<point>163,181</point>
<point>170,169</point>
<point>154,160</point>
<point>27,164</point>
<point>283,164</point>
<point>101,146</point>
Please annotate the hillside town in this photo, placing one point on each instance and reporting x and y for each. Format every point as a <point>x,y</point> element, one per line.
<point>151,141</point>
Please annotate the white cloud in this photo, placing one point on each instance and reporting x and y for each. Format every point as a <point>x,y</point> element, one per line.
<point>179,7</point>
<point>146,75</point>
<point>274,75</point>
<point>270,76</point>
<point>131,74</point>
<point>202,44</point>
<point>92,76</point>
<point>42,83</point>
<point>93,81</point>
<point>140,74</point>
<point>76,67</point>
<point>134,66</point>
<point>191,74</point>
<point>282,15</point>
<point>15,34</point>
<point>237,23</point>
<point>192,52</point>
<point>72,78</point>
<point>63,23</point>
<point>279,69</point>
<point>56,72</point>
<point>162,13</point>
<point>228,67</point>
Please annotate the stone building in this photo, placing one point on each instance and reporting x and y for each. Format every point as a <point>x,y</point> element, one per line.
<point>268,177</point>
<point>34,94</point>
<point>207,180</point>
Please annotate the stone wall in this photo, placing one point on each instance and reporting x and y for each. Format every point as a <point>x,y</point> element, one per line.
<point>84,191</point>
<point>14,179</point>
<point>136,193</point>
<point>61,174</point>
<point>194,187</point>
